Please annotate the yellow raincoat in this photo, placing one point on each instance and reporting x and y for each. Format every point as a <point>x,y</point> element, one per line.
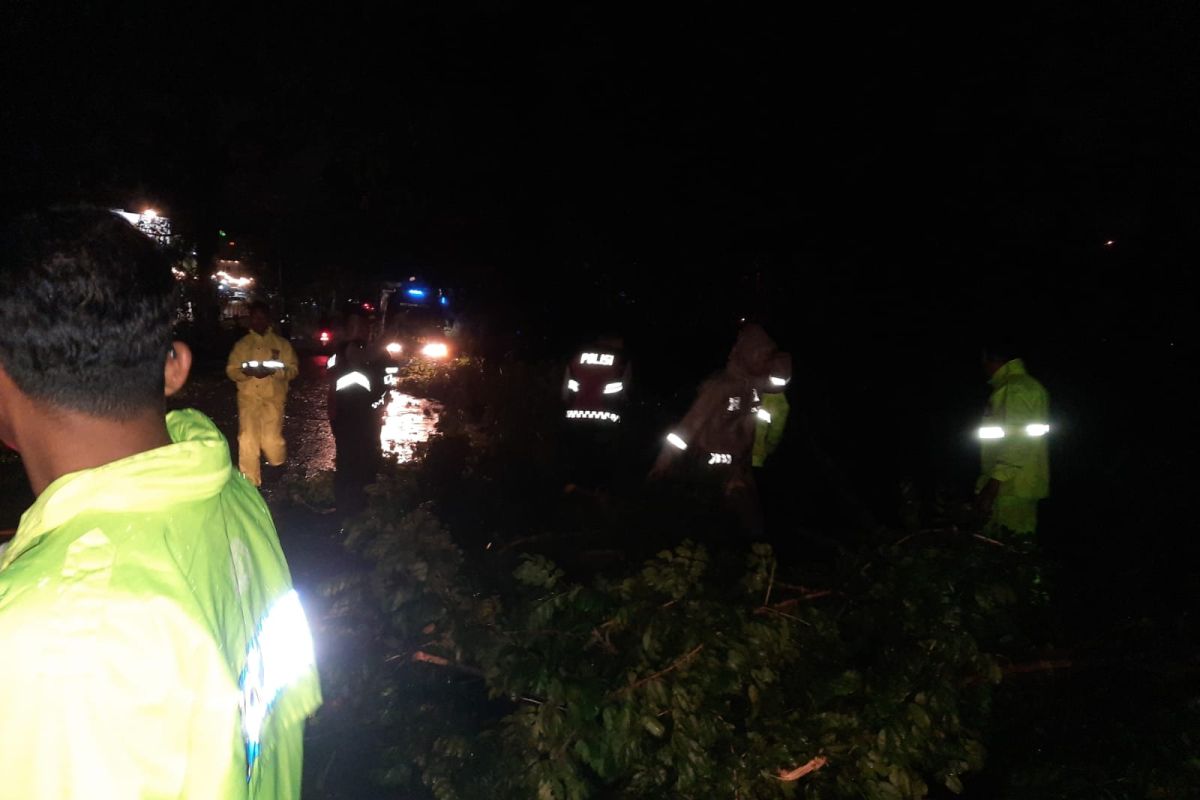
<point>152,644</point>
<point>261,400</point>
<point>1014,448</point>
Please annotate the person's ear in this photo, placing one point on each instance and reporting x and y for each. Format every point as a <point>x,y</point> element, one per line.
<point>178,365</point>
<point>10,397</point>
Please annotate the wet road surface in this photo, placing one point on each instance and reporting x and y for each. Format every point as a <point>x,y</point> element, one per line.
<point>305,425</point>
<point>408,420</point>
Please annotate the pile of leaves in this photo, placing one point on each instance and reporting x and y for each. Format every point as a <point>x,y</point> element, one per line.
<point>675,680</point>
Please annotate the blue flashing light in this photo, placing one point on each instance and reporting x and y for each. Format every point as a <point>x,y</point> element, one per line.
<point>416,292</point>
<point>445,300</point>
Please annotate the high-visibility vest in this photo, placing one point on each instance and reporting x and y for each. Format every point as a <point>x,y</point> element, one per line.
<point>596,385</point>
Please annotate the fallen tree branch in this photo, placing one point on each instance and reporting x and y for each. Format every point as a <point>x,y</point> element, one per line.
<point>795,601</point>
<point>612,622</point>
<point>1028,667</point>
<point>770,583</point>
<point>771,610</point>
<point>1039,666</point>
<point>802,590</point>
<point>953,530</point>
<point>799,772</point>
<point>676,664</point>
<point>430,658</point>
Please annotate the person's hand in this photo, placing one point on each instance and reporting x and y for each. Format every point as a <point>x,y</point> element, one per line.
<point>985,500</point>
<point>257,372</point>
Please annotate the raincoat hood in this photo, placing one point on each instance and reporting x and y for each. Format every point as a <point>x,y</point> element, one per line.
<point>195,466</point>
<point>153,643</point>
<point>1011,369</point>
<point>751,352</point>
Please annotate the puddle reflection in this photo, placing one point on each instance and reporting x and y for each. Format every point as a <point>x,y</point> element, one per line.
<point>407,422</point>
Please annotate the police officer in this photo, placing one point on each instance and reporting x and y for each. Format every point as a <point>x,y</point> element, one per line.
<point>1015,459</point>
<point>355,406</point>
<point>595,392</point>
<point>716,436</point>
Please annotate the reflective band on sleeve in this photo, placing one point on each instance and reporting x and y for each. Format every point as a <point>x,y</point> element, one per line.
<point>675,440</point>
<point>778,381</point>
<point>764,415</point>
<point>332,362</point>
<point>573,385</point>
<point>991,432</point>
<point>249,365</point>
<point>273,364</point>
<point>353,379</point>
<point>613,388</point>
<point>391,370</point>
<point>607,416</point>
<point>1037,429</point>
<point>719,458</point>
<point>279,654</point>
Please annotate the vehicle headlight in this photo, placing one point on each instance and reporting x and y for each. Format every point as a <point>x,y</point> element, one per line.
<point>435,350</point>
<point>394,348</point>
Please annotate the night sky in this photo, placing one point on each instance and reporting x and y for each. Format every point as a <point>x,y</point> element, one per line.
<point>905,177</point>
<point>473,132</point>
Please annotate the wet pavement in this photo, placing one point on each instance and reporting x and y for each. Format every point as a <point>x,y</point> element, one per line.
<point>311,540</point>
<point>306,422</point>
<point>408,420</point>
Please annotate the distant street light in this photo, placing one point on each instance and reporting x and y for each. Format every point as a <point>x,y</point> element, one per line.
<point>1110,243</point>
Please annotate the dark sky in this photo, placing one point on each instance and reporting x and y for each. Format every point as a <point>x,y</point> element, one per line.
<point>838,146</point>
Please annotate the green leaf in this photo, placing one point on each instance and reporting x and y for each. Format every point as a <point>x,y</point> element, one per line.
<point>653,726</point>
<point>919,717</point>
<point>846,683</point>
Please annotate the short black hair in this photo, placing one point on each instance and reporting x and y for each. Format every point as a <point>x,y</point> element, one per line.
<point>86,308</point>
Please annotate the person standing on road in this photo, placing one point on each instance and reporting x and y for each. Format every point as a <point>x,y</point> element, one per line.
<point>262,364</point>
<point>153,643</point>
<point>356,389</point>
<point>1015,458</point>
<point>595,390</point>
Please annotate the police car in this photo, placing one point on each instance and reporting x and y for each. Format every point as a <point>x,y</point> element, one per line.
<point>416,323</point>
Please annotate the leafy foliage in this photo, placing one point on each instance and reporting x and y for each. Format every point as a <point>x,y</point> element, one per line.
<point>668,681</point>
<point>458,666</point>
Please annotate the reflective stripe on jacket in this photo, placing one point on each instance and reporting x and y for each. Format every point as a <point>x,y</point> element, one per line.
<point>270,346</point>
<point>1013,442</point>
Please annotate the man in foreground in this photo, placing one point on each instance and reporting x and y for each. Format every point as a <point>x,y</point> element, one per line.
<point>153,644</point>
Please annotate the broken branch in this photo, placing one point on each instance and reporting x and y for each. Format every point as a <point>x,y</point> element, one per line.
<point>799,772</point>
